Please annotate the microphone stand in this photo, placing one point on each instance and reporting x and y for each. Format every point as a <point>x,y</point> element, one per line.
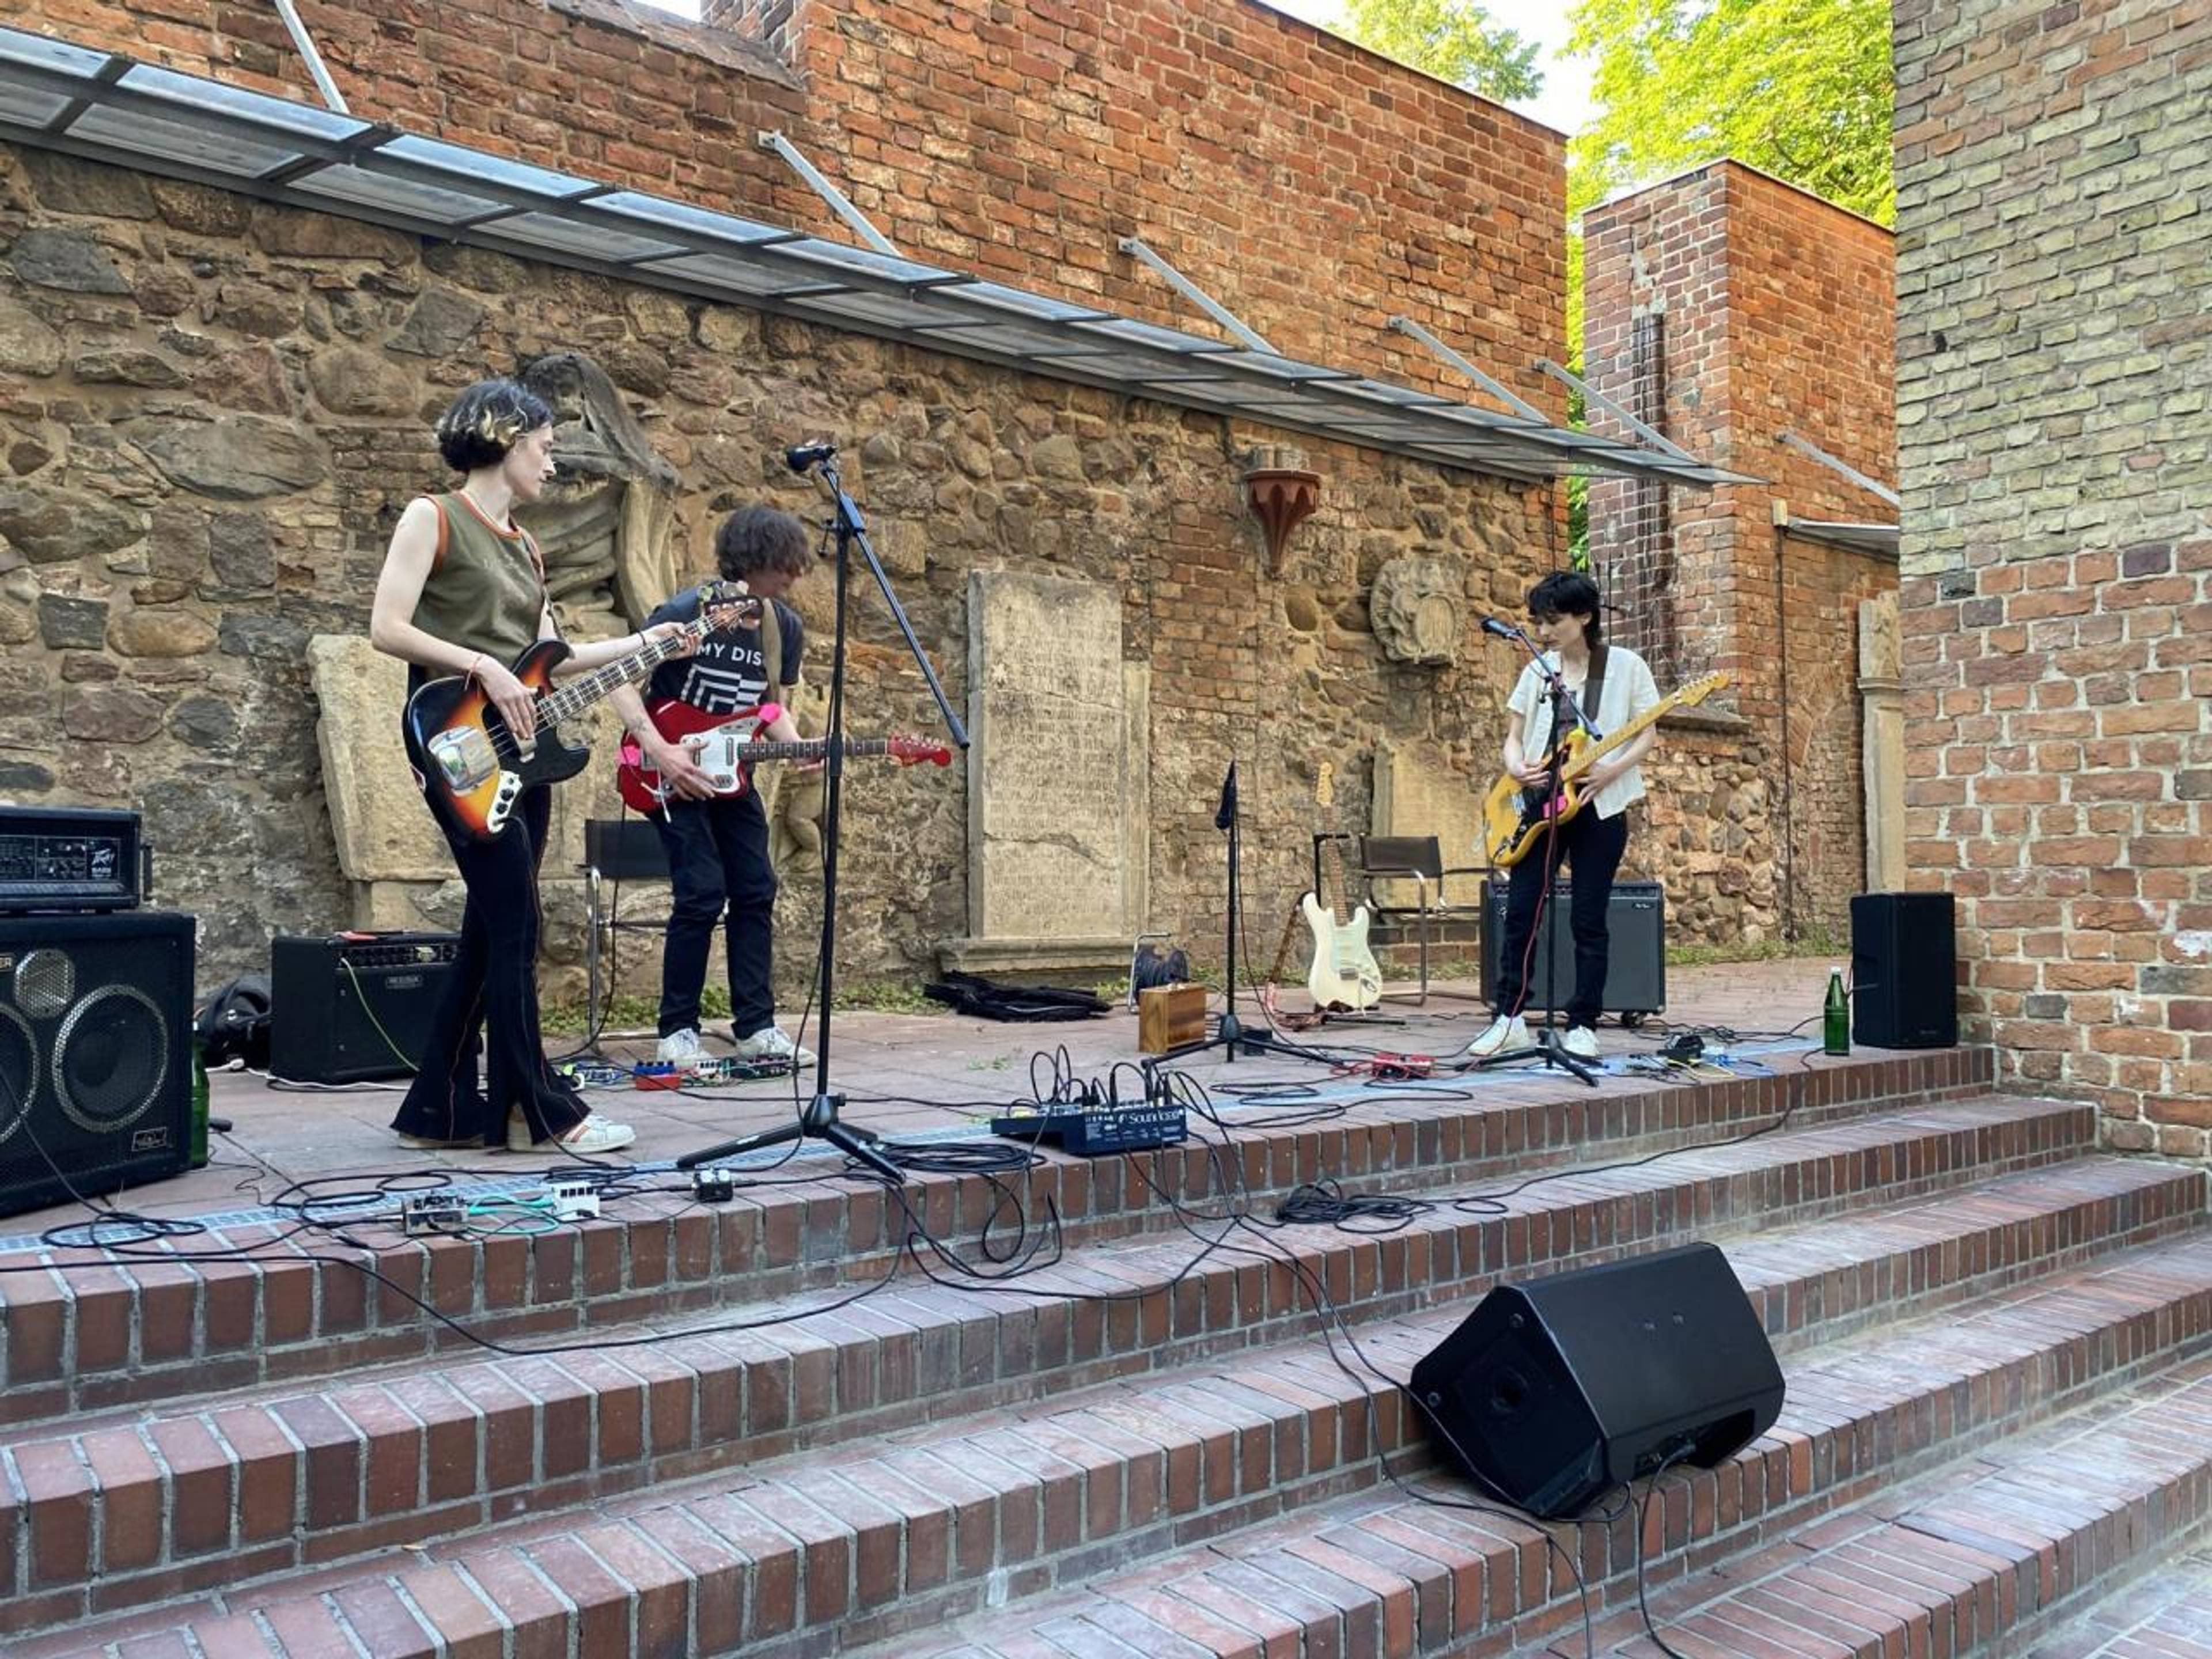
<point>1230,1033</point>
<point>822,1118</point>
<point>1548,1048</point>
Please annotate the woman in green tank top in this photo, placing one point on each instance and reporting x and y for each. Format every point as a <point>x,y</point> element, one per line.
<point>462,591</point>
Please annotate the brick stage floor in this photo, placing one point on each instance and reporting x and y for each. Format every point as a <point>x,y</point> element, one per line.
<point>937,1075</point>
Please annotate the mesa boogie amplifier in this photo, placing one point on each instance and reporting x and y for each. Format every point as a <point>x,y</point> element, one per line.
<point>353,1007</point>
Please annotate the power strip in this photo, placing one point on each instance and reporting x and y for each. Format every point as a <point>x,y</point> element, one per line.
<point>572,1198</point>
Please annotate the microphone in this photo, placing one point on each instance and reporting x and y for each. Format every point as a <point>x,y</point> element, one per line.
<point>1504,630</point>
<point>802,455</point>
<point>1225,814</point>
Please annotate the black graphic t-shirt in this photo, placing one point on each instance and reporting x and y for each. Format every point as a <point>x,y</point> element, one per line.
<point>729,672</point>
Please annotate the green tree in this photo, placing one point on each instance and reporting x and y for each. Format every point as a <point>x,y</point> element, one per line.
<point>1452,39</point>
<point>1802,89</point>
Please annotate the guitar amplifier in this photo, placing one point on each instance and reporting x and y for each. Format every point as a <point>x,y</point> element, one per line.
<point>353,1007</point>
<point>1636,929</point>
<point>69,858</point>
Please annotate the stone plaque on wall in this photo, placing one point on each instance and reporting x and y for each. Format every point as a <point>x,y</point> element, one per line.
<point>1417,794</point>
<point>1055,794</point>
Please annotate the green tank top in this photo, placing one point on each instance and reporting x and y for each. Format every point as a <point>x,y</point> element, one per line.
<point>486,589</point>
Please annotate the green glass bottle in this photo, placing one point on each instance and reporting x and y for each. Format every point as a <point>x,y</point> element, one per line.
<point>1836,1017</point>
<point>199,1130</point>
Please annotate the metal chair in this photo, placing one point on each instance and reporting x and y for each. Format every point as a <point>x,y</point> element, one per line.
<point>1420,860</point>
<point>616,851</point>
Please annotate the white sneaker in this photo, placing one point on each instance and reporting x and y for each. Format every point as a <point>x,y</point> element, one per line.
<point>774,1042</point>
<point>1581,1041</point>
<point>594,1134</point>
<point>681,1048</point>
<point>1503,1034</point>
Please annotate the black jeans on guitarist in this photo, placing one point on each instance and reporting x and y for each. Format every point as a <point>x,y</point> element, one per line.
<point>490,1002</point>
<point>718,866</point>
<point>1591,846</point>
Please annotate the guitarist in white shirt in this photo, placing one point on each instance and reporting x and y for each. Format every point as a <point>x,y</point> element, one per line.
<point>1564,610</point>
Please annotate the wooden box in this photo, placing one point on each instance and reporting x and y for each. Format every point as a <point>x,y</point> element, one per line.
<point>1168,1016</point>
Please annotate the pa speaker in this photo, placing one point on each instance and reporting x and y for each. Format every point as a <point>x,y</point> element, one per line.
<point>1635,941</point>
<point>1905,982</point>
<point>353,1007</point>
<point>1552,1392</point>
<point>95,1075</point>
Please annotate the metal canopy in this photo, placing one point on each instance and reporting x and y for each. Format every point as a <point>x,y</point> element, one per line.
<point>1876,540</point>
<point>57,96</point>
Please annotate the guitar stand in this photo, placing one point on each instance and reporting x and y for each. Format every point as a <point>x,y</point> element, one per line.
<point>821,1119</point>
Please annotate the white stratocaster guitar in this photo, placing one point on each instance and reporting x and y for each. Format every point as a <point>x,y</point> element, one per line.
<point>1344,973</point>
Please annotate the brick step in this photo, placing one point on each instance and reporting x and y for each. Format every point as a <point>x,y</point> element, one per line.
<point>1987,1557</point>
<point>2166,1615</point>
<point>269,1479</point>
<point>937,1520</point>
<point>2023,1382</point>
<point>93,1334</point>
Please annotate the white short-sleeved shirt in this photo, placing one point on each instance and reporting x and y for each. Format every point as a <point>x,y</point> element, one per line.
<point>1629,691</point>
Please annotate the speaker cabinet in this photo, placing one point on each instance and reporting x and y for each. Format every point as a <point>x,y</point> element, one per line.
<point>1635,937</point>
<point>1905,981</point>
<point>95,1073</point>
<point>1553,1392</point>
<point>354,1008</point>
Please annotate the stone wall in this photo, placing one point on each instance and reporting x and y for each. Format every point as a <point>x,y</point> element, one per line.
<point>2055,334</point>
<point>1725,307</point>
<point>216,410</point>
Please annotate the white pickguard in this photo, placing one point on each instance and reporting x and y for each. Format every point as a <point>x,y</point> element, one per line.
<point>1344,972</point>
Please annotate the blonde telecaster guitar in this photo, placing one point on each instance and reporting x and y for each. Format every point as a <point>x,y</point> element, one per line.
<point>1344,973</point>
<point>1514,814</point>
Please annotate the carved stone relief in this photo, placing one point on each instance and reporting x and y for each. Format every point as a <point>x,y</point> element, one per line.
<point>1416,609</point>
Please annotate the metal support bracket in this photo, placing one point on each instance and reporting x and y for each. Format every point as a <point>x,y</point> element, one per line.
<point>1650,435</point>
<point>1872,486</point>
<point>1135,248</point>
<point>1451,359</point>
<point>777,144</point>
<point>306,43</point>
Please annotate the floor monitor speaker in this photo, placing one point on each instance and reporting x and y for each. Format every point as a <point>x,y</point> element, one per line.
<point>96,1072</point>
<point>1553,1392</point>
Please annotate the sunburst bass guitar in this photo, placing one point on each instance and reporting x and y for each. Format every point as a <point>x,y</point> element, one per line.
<point>1514,814</point>
<point>474,768</point>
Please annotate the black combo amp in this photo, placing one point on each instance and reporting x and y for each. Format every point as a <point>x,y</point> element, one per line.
<point>69,858</point>
<point>1905,970</point>
<point>1636,929</point>
<point>95,1068</point>
<point>353,1007</point>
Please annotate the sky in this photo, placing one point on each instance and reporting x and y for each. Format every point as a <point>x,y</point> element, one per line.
<point>1564,104</point>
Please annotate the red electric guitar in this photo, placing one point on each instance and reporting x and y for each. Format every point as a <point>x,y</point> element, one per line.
<point>725,747</point>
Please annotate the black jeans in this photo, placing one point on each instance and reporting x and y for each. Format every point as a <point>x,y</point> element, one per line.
<point>718,864</point>
<point>1591,846</point>
<point>489,1007</point>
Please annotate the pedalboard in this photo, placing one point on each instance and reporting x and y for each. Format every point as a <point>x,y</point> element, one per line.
<point>1093,1131</point>
<point>666,1074</point>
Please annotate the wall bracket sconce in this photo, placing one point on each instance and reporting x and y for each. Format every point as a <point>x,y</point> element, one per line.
<point>1281,498</point>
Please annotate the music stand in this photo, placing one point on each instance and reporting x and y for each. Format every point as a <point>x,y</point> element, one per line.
<point>1548,1048</point>
<point>822,1119</point>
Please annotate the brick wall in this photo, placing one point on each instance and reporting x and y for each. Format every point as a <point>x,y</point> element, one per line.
<point>1312,187</point>
<point>2056,455</point>
<point>1723,307</point>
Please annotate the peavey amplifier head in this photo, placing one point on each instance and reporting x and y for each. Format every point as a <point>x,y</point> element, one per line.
<point>96,1072</point>
<point>353,1007</point>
